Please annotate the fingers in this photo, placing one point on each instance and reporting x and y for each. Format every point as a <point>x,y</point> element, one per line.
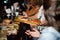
<point>34,29</point>
<point>28,32</point>
<point>34,33</point>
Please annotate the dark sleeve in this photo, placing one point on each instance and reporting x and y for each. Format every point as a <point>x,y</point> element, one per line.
<point>35,38</point>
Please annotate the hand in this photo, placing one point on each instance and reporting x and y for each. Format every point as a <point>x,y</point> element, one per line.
<point>16,4</point>
<point>25,14</point>
<point>34,33</point>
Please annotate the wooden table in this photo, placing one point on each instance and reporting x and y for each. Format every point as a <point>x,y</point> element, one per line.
<point>34,22</point>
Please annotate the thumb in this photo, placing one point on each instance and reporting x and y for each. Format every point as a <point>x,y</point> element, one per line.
<point>34,29</point>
